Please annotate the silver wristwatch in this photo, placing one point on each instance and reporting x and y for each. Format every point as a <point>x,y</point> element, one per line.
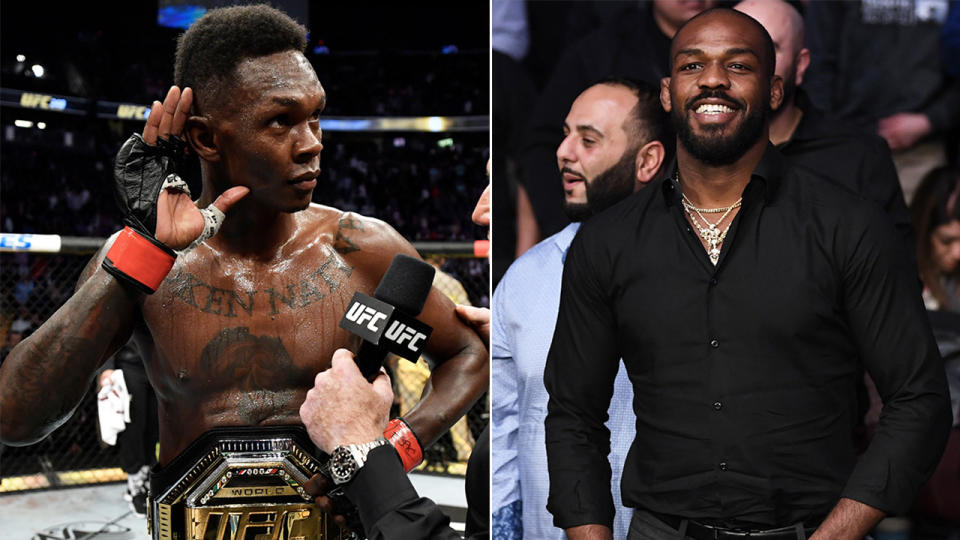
<point>345,461</point>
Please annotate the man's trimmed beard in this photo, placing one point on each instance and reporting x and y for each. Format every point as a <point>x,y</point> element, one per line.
<point>606,189</point>
<point>715,149</point>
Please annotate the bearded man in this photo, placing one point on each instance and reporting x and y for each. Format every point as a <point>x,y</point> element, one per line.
<point>611,148</point>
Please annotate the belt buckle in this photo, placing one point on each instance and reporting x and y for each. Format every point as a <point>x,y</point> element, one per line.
<point>242,487</point>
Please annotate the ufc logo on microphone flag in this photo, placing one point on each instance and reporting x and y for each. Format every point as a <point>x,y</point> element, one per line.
<point>385,326</point>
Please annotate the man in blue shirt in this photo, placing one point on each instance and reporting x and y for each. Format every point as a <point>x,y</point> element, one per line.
<point>611,148</point>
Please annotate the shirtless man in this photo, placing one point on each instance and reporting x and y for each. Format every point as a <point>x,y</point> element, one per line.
<point>241,324</point>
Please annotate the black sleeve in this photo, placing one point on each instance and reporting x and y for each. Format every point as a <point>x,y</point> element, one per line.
<point>579,375</point>
<point>883,306</point>
<point>884,187</point>
<point>390,507</point>
<point>477,486</point>
<point>943,111</point>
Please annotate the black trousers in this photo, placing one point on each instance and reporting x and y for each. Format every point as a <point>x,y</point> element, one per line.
<point>137,444</point>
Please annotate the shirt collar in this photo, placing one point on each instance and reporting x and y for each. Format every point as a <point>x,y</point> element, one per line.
<point>768,173</point>
<point>564,238</point>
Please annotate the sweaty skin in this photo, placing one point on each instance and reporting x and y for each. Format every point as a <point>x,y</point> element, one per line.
<point>241,325</point>
<point>233,341</point>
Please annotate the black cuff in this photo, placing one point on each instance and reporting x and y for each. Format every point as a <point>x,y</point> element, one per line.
<point>380,485</point>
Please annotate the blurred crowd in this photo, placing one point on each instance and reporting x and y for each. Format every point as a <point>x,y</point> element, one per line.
<point>886,69</point>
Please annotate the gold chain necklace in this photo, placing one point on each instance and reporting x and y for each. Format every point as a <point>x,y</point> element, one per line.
<point>709,232</point>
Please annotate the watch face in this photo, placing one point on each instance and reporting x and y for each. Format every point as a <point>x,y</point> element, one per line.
<point>342,465</point>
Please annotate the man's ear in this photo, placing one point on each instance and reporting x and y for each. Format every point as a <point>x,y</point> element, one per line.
<point>665,93</point>
<point>198,131</point>
<point>802,63</point>
<point>776,92</point>
<point>649,158</point>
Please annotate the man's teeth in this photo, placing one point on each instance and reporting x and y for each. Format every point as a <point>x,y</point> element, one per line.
<point>711,108</point>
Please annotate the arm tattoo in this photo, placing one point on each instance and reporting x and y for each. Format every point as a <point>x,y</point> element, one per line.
<point>44,378</point>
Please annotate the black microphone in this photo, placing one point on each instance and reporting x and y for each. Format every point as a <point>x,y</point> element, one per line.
<point>387,322</point>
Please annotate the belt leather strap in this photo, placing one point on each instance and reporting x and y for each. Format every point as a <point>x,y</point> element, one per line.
<point>703,531</point>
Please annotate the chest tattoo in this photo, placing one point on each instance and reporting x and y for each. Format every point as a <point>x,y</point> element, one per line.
<point>261,361</point>
<point>311,288</point>
<point>258,367</point>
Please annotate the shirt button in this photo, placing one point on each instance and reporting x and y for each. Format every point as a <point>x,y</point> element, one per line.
<point>723,465</point>
<point>714,343</point>
<point>717,406</point>
<point>713,281</point>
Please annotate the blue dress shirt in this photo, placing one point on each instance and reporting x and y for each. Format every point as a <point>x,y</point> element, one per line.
<point>525,306</point>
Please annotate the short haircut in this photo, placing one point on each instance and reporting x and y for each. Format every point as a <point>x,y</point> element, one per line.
<point>767,40</point>
<point>647,121</point>
<point>210,50</point>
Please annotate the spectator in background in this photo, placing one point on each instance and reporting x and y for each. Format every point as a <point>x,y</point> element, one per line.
<point>879,64</point>
<point>513,96</point>
<point>850,156</point>
<point>18,330</point>
<point>613,147</point>
<point>951,38</point>
<point>137,443</point>
<point>936,216</point>
<point>634,45</point>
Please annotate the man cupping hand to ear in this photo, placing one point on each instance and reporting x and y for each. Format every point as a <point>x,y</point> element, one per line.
<point>159,214</point>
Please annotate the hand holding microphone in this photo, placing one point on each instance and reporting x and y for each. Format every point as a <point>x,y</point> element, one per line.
<point>343,408</point>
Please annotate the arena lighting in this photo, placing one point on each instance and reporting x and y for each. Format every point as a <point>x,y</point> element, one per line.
<point>37,70</point>
<point>435,123</point>
<point>42,125</point>
<point>23,123</point>
<point>21,58</point>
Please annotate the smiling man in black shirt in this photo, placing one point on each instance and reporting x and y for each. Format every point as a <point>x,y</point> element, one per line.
<point>740,293</point>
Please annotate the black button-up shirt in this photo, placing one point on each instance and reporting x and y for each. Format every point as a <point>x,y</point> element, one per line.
<point>744,374</point>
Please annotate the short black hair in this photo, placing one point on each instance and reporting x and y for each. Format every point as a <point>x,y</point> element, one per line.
<point>647,121</point>
<point>213,46</point>
<point>767,40</point>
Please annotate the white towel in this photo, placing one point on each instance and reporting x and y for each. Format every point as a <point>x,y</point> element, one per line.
<point>113,407</point>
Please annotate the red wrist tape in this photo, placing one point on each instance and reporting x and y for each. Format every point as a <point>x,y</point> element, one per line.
<point>139,260</point>
<point>405,441</point>
<point>481,248</point>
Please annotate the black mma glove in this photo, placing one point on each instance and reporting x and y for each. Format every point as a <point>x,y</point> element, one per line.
<point>140,172</point>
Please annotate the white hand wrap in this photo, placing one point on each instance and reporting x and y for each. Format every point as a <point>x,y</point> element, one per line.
<point>174,182</point>
<point>212,216</point>
<point>212,219</point>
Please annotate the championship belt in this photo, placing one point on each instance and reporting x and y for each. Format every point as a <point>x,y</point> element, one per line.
<point>240,483</point>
